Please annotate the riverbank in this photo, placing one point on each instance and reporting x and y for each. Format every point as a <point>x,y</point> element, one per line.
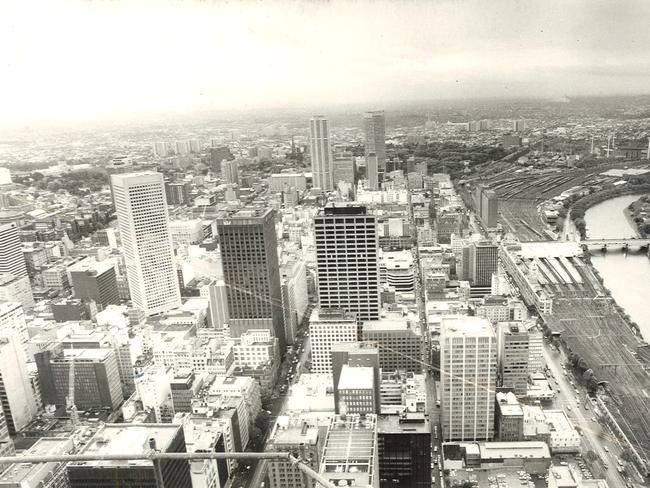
<point>580,206</point>
<point>638,216</point>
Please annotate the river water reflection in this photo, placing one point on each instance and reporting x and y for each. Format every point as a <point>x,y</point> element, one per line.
<point>626,276</point>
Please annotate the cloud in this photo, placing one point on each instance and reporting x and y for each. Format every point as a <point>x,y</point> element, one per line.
<point>78,59</point>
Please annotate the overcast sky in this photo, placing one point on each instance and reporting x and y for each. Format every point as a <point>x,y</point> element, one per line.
<point>105,59</point>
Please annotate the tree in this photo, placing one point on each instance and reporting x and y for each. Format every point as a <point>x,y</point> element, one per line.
<point>587,375</point>
<point>582,364</point>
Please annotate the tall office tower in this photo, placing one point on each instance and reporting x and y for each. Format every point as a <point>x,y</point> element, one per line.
<point>519,354</point>
<point>161,149</point>
<point>321,153</point>
<point>484,262</point>
<point>132,439</point>
<point>217,295</point>
<point>326,328</point>
<point>347,260</point>
<point>178,192</point>
<point>16,394</point>
<point>374,125</point>
<point>490,209</point>
<point>95,281</point>
<point>404,448</point>
<point>355,354</point>
<point>11,252</point>
<point>350,451</point>
<point>372,171</point>
<point>484,124</point>
<point>298,434</point>
<point>468,364</point>
<point>478,199</point>
<point>519,125</point>
<point>144,229</point>
<point>251,272</point>
<point>230,171</point>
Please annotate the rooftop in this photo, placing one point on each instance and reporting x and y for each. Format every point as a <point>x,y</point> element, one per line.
<point>294,430</point>
<point>360,377</point>
<point>331,315</point>
<point>460,326</point>
<point>129,439</point>
<point>509,450</point>
<point>408,423</point>
<point>32,474</point>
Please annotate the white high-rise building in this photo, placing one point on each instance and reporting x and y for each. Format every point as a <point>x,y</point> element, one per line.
<point>326,328</point>
<point>321,153</point>
<point>347,248</point>
<point>12,321</point>
<point>161,149</point>
<point>144,229</point>
<point>468,373</point>
<point>230,171</point>
<point>18,401</point>
<point>11,252</point>
<point>374,124</point>
<point>217,296</point>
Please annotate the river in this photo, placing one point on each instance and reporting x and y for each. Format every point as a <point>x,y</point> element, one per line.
<point>626,276</point>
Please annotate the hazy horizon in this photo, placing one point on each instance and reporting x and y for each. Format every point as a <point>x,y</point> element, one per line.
<point>115,61</point>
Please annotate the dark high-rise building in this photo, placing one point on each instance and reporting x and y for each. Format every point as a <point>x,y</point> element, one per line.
<point>136,439</point>
<point>178,193</point>
<point>374,124</point>
<point>95,280</point>
<point>96,377</point>
<point>404,445</point>
<point>490,209</point>
<point>251,272</point>
<point>347,260</point>
<point>11,252</point>
<point>484,261</point>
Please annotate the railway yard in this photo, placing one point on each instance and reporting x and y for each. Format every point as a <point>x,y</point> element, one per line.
<point>521,191</point>
<point>590,325</point>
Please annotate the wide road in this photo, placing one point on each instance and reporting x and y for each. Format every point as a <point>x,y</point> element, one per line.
<point>436,432</point>
<point>596,436</point>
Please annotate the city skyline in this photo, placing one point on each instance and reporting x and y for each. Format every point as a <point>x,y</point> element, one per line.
<point>504,49</point>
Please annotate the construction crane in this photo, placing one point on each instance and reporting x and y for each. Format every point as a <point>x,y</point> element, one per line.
<point>70,404</point>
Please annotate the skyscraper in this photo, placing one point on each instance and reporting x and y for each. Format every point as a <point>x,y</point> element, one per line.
<point>230,171</point>
<point>328,327</point>
<point>519,354</point>
<point>372,171</point>
<point>144,229</point>
<point>217,295</point>
<point>374,124</point>
<point>347,260</point>
<point>321,153</point>
<point>484,261</point>
<point>251,272</point>
<point>16,394</point>
<point>490,209</point>
<point>468,371</point>
<point>11,253</point>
